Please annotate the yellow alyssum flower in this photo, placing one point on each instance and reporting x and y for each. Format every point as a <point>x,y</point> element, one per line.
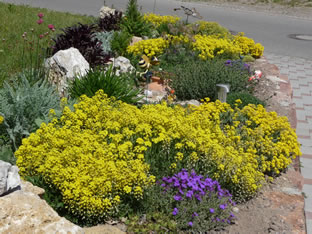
<point>157,20</point>
<point>100,150</point>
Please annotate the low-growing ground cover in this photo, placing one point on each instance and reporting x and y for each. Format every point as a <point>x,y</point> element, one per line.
<point>184,168</point>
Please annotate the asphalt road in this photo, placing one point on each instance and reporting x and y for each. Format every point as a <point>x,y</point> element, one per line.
<point>270,30</point>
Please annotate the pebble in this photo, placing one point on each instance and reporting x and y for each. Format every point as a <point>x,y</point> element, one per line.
<point>235,209</point>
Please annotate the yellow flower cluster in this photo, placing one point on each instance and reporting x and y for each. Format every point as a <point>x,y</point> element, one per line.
<point>211,46</point>
<point>150,47</point>
<point>157,20</point>
<point>1,119</point>
<point>98,153</point>
<point>209,28</point>
<point>175,40</point>
<point>248,46</point>
<point>88,154</point>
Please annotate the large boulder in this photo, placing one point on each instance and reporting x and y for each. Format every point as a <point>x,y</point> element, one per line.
<point>64,66</point>
<point>23,212</point>
<point>9,178</point>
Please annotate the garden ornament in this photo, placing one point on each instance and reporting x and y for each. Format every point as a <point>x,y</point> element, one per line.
<point>146,63</point>
<point>223,89</point>
<point>189,12</point>
<point>256,76</point>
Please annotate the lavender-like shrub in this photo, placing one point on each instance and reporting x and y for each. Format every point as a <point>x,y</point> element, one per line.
<point>196,202</point>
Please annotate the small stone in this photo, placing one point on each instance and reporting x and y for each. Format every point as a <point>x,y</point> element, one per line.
<point>235,209</point>
<point>193,102</point>
<point>291,191</point>
<point>135,40</point>
<point>148,93</point>
<point>123,65</point>
<point>276,79</point>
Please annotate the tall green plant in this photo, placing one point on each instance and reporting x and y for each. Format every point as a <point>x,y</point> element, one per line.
<point>133,22</point>
<point>120,42</point>
<point>120,86</point>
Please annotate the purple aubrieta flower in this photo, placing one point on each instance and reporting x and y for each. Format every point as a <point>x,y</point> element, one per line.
<point>198,197</point>
<point>189,194</point>
<point>194,214</point>
<point>177,197</point>
<point>175,211</point>
<point>211,210</point>
<point>190,224</point>
<point>222,206</point>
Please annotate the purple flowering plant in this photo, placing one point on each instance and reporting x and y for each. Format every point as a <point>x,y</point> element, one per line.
<point>196,202</point>
<point>239,65</point>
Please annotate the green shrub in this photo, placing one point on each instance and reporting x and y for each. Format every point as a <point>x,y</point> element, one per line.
<point>177,54</point>
<point>120,86</point>
<point>209,28</point>
<point>134,22</point>
<point>6,154</point>
<point>198,79</point>
<point>120,42</point>
<point>248,59</point>
<point>245,97</point>
<point>151,223</point>
<point>21,104</point>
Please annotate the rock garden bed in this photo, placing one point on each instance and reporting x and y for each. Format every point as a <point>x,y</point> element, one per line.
<point>141,141</point>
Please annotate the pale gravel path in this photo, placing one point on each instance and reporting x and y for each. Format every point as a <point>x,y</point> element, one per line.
<point>299,72</point>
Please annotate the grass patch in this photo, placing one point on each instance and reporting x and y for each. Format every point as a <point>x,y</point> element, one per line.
<point>21,18</point>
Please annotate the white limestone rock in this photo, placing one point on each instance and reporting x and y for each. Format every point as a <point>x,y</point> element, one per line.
<point>4,168</point>
<point>13,179</point>
<point>23,212</point>
<point>105,11</point>
<point>64,66</point>
<point>122,65</point>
